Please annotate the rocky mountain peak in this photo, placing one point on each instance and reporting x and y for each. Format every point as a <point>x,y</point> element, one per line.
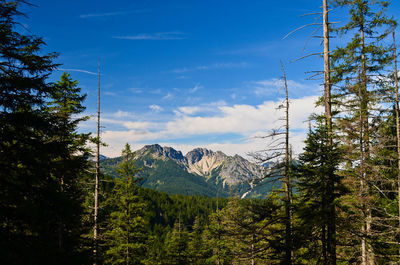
<point>197,154</point>
<point>168,152</point>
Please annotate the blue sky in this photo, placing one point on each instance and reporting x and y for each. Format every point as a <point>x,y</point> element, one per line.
<point>185,73</point>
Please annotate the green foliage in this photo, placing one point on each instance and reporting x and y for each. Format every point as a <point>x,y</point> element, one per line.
<point>45,217</point>
<point>360,100</point>
<point>314,172</point>
<point>40,199</point>
<point>126,228</point>
<point>176,245</point>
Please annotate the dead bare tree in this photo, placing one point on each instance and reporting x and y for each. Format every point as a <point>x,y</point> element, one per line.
<point>278,156</point>
<point>97,176</point>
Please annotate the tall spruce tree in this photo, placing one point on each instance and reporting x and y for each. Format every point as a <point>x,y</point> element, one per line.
<point>70,161</point>
<point>315,172</point>
<point>355,68</point>
<point>125,233</point>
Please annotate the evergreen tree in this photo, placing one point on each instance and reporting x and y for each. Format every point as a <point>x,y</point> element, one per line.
<point>386,245</point>
<point>196,244</point>
<point>176,244</point>
<point>355,71</point>
<point>70,163</point>
<point>35,153</point>
<point>126,234</point>
<point>249,225</point>
<point>217,243</point>
<point>314,173</point>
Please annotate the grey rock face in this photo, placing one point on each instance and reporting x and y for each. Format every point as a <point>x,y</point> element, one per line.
<point>197,154</point>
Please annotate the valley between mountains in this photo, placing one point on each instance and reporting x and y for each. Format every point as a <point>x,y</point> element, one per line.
<point>199,172</point>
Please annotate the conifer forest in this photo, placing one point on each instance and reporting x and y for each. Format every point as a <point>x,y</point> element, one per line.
<point>338,202</point>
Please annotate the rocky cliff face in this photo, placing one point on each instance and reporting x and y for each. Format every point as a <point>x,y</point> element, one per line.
<point>204,162</point>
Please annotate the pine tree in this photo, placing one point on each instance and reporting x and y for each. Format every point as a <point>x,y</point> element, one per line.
<point>70,163</point>
<point>30,151</point>
<point>176,244</point>
<point>196,251</point>
<point>126,234</point>
<point>217,241</point>
<point>356,67</point>
<point>314,174</point>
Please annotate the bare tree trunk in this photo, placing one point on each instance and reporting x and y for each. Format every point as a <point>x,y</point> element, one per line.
<point>362,175</point>
<point>331,218</point>
<point>288,188</point>
<point>96,187</point>
<point>367,249</point>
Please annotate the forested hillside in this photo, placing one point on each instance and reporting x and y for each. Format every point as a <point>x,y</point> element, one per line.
<point>338,202</point>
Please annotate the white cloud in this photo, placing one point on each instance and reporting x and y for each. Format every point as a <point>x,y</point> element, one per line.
<point>244,120</point>
<point>155,108</point>
<point>122,114</point>
<point>172,35</point>
<point>139,126</point>
<point>190,110</point>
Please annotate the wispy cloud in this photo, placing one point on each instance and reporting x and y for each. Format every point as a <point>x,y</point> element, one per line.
<point>136,90</point>
<point>228,65</point>
<point>205,109</point>
<point>275,86</point>
<point>223,66</point>
<point>109,93</point>
<point>122,114</point>
<point>172,35</point>
<point>111,14</point>
<point>77,70</point>
<point>195,88</point>
<point>155,108</point>
<point>168,96</point>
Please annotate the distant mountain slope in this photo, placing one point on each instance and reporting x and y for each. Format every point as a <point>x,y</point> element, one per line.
<point>200,172</point>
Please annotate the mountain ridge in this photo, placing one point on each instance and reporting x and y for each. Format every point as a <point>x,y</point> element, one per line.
<point>200,172</point>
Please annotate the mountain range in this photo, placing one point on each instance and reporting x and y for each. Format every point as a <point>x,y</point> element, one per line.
<point>199,172</point>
